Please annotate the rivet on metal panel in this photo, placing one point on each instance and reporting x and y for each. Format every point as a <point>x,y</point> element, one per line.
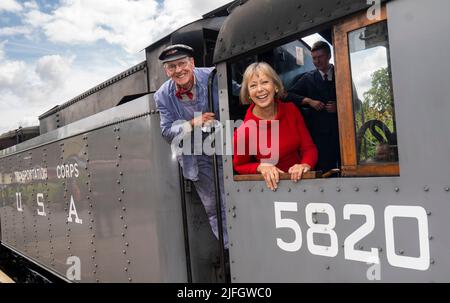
<point>428,213</point>
<point>231,244</point>
<point>447,188</point>
<point>117,164</point>
<point>356,188</point>
<point>249,190</point>
<point>338,189</point>
<point>375,188</point>
<point>401,251</point>
<point>122,191</point>
<point>430,237</point>
<point>238,190</point>
<point>118,137</point>
<point>327,267</point>
<point>234,278</point>
<point>127,244</point>
<point>128,261</point>
<point>118,181</point>
<point>397,189</point>
<point>228,194</point>
<point>120,199</point>
<point>126,269</point>
<point>129,279</point>
<point>121,217</point>
<point>432,261</point>
<point>289,189</point>
<point>116,147</point>
<point>121,173</point>
<point>125,226</point>
<point>304,190</point>
<point>380,249</point>
<point>119,155</point>
<point>124,209</point>
<point>124,252</point>
<point>426,188</point>
<point>321,190</point>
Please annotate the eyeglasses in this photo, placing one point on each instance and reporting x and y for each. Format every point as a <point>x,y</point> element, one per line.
<point>171,67</point>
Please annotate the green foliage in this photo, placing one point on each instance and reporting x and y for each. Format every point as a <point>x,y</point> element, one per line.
<point>377,104</point>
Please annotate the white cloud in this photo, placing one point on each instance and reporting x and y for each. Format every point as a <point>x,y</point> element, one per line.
<point>15,30</point>
<point>364,64</point>
<point>29,88</point>
<point>133,25</point>
<point>10,6</point>
<point>54,68</point>
<point>31,5</point>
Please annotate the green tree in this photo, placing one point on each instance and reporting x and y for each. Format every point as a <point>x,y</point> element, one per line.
<point>379,96</point>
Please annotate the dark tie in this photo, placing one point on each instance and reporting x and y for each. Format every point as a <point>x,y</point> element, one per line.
<point>325,77</point>
<point>183,91</point>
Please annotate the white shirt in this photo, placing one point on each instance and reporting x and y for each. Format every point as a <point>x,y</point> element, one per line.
<point>329,73</point>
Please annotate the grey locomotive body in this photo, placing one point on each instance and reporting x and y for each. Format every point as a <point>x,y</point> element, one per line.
<point>103,190</point>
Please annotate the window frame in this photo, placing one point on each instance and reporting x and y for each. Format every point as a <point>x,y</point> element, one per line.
<point>346,121</point>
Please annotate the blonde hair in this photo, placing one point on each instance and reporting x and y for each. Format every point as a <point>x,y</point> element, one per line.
<point>255,69</point>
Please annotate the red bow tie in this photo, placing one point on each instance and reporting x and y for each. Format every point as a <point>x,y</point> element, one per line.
<point>183,91</point>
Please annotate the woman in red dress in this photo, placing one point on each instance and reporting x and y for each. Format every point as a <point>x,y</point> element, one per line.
<point>273,138</point>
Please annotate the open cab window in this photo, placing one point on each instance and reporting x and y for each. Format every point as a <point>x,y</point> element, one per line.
<point>365,100</point>
<point>365,103</point>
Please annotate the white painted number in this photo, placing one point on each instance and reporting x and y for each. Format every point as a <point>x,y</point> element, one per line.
<point>395,211</point>
<point>350,253</point>
<point>288,223</point>
<point>325,229</point>
<point>349,244</point>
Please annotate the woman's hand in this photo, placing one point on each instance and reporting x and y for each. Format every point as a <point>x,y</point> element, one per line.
<point>297,171</point>
<point>271,174</point>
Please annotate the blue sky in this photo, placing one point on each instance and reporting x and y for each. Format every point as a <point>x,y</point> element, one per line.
<point>53,50</point>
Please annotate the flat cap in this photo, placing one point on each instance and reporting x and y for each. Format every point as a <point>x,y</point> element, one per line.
<point>175,52</point>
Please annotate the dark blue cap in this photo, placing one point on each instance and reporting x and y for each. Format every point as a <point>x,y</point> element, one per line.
<point>175,52</point>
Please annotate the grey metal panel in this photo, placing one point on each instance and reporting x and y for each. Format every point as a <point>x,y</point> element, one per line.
<point>256,23</point>
<point>57,206</point>
<point>40,222</point>
<point>156,74</point>
<point>421,97</point>
<point>152,201</point>
<point>423,181</point>
<point>113,115</point>
<point>78,186</point>
<point>104,96</point>
<point>108,225</point>
<point>136,238</point>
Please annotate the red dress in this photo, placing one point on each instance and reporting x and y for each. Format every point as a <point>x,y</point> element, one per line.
<point>256,141</point>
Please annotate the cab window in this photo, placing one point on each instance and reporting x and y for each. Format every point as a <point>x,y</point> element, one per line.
<point>364,97</point>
